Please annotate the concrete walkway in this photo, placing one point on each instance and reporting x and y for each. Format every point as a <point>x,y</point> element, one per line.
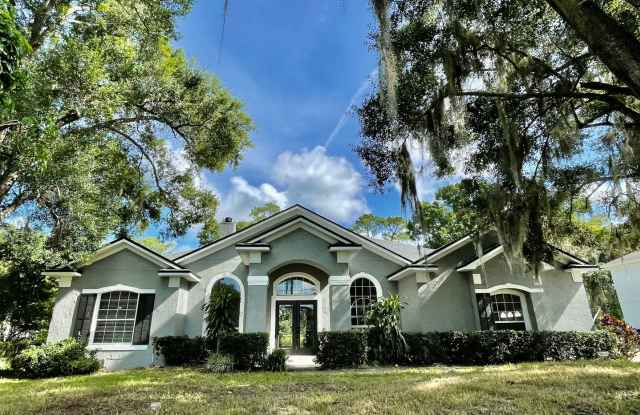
<point>301,362</point>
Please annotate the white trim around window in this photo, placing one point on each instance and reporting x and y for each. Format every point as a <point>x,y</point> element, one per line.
<point>207,294</point>
<point>94,319</point>
<point>523,304</point>
<point>379,295</point>
<point>508,286</point>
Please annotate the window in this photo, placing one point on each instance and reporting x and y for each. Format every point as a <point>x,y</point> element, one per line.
<point>116,317</point>
<point>363,294</point>
<point>296,286</point>
<point>501,311</point>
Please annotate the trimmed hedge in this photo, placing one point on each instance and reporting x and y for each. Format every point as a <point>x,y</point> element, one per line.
<point>64,358</point>
<point>249,350</point>
<point>349,349</point>
<point>338,349</point>
<point>181,350</point>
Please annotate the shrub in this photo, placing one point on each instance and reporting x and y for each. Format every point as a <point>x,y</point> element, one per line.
<point>276,361</point>
<point>249,350</point>
<point>220,363</point>
<point>572,345</point>
<point>180,350</point>
<point>67,357</point>
<point>339,349</point>
<point>628,337</point>
<point>386,341</point>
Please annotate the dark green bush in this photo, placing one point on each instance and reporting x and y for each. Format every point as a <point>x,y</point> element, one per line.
<point>572,345</point>
<point>338,349</point>
<point>67,357</point>
<point>181,350</point>
<point>249,350</point>
<point>276,361</point>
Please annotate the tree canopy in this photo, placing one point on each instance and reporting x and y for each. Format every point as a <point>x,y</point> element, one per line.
<point>110,126</point>
<point>536,99</point>
<point>372,226</point>
<point>259,213</point>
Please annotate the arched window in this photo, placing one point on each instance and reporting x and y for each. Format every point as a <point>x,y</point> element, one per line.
<point>363,294</point>
<point>296,286</point>
<point>229,286</point>
<point>502,310</point>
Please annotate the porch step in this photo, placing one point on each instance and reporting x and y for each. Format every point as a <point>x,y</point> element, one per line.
<point>301,362</point>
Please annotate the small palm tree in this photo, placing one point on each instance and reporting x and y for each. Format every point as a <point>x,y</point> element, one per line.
<point>222,312</point>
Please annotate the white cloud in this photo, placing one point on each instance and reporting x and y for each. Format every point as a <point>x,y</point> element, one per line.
<point>242,197</point>
<point>330,185</point>
<point>327,184</point>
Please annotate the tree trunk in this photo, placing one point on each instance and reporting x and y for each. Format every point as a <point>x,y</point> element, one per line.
<point>618,49</point>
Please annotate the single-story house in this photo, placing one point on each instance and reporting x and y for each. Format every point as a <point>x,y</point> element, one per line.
<point>297,273</point>
<point>625,272</point>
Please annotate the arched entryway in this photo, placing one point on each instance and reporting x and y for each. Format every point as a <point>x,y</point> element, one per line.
<point>296,304</point>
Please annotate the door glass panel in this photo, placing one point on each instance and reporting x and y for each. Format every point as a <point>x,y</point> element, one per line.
<point>285,326</point>
<point>307,333</point>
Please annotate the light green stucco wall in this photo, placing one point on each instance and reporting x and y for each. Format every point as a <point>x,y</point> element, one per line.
<point>626,278</point>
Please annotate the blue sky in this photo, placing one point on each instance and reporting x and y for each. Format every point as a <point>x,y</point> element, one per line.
<point>298,66</point>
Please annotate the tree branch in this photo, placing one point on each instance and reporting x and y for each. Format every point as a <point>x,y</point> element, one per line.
<point>614,89</point>
<point>143,152</point>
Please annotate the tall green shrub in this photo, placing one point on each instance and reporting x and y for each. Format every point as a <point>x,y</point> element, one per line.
<point>221,312</point>
<point>339,349</point>
<point>67,357</point>
<point>386,341</point>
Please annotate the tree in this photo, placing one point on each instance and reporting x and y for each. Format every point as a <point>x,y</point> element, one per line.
<point>259,213</point>
<point>105,103</point>
<point>372,226</point>
<point>540,104</point>
<point>155,244</point>
<point>221,312</point>
<point>26,296</point>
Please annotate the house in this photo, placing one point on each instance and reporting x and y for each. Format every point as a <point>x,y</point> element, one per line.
<point>297,273</point>
<point>625,272</point>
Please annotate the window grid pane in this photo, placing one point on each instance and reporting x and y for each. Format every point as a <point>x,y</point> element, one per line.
<point>296,286</point>
<point>116,317</point>
<point>506,308</point>
<point>363,295</point>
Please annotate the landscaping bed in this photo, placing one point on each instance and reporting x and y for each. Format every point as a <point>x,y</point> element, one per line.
<point>580,387</point>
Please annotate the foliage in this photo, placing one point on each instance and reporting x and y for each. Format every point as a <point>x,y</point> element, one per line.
<point>64,358</point>
<point>524,96</point>
<point>249,350</point>
<point>340,349</point>
<point>391,228</point>
<point>220,363</point>
<point>386,341</point>
<point>221,312</point>
<point>112,125</point>
<point>13,46</point>
<point>26,296</point>
<point>628,337</point>
<point>180,350</point>
<point>155,244</point>
<point>259,213</point>
<point>276,361</point>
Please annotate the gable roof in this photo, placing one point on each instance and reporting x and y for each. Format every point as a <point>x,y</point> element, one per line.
<point>122,244</point>
<point>297,215</point>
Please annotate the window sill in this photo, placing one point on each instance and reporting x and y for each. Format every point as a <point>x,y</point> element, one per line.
<point>117,347</point>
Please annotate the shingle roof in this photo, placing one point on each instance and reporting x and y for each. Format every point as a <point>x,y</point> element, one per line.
<point>405,248</point>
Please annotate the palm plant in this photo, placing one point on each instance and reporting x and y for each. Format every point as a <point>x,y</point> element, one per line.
<point>221,312</point>
<point>385,335</point>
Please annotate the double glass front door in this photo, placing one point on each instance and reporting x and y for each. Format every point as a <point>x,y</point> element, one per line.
<point>296,326</point>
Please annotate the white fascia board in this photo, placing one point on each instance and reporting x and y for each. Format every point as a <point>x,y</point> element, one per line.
<point>446,251</point>
<point>300,223</point>
<point>253,248</point>
<point>56,274</point>
<point>344,248</point>
<point>123,244</point>
<point>483,259</point>
<point>405,272</point>
<point>188,276</point>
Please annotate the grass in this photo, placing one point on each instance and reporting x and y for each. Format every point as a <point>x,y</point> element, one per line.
<point>597,387</point>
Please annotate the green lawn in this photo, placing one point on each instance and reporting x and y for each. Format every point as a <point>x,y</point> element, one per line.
<point>578,388</point>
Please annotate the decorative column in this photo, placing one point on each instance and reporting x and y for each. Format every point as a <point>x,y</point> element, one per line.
<point>257,304</point>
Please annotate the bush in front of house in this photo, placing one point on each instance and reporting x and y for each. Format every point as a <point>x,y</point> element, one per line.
<point>249,350</point>
<point>181,350</point>
<point>66,357</point>
<point>341,349</point>
<point>220,363</point>
<point>276,361</point>
<point>628,337</point>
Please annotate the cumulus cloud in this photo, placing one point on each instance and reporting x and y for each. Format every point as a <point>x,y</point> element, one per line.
<point>321,182</point>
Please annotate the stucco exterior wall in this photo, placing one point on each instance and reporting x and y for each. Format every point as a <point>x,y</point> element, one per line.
<point>131,270</point>
<point>626,279</point>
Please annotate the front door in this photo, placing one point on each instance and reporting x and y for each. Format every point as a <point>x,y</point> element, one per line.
<point>296,326</point>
